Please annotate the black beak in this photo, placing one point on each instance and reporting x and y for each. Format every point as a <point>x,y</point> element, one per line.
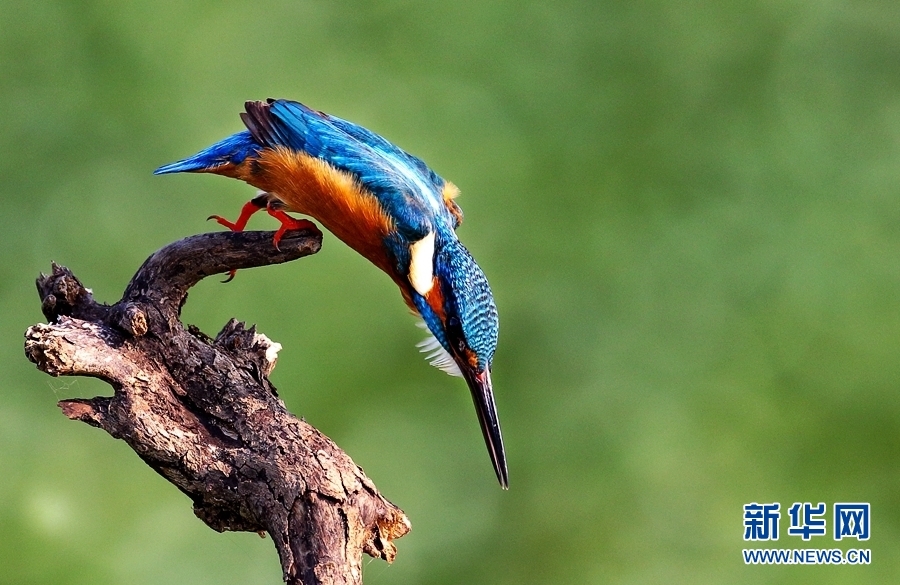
<point>483,396</point>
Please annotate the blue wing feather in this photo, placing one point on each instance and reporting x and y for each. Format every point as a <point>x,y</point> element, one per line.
<point>387,148</point>
<point>405,186</point>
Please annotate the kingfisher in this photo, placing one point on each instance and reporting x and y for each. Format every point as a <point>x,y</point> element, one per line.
<point>386,204</point>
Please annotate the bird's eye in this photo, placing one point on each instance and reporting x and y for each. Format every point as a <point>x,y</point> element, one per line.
<point>461,345</point>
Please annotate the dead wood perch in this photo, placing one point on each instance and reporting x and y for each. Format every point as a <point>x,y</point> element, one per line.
<point>202,412</point>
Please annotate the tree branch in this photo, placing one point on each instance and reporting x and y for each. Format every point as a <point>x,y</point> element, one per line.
<point>202,413</point>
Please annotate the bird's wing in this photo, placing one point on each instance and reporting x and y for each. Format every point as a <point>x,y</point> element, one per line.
<point>407,189</point>
<point>448,191</point>
<point>388,149</point>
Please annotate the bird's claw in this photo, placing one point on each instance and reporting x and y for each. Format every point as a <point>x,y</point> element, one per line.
<point>247,210</point>
<point>224,222</point>
<point>289,223</point>
<point>274,209</point>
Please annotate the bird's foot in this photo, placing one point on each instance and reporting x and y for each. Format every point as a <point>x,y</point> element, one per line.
<point>247,210</point>
<point>289,223</point>
<point>273,207</point>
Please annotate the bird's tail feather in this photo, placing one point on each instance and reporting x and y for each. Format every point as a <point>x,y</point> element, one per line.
<point>233,150</point>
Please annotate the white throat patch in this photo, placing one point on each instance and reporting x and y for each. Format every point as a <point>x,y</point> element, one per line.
<point>421,264</point>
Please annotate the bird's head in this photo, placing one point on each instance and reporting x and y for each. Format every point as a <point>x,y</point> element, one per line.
<point>458,308</point>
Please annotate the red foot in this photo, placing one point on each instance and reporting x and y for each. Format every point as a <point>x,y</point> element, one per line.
<point>247,210</point>
<point>288,223</point>
<point>273,208</point>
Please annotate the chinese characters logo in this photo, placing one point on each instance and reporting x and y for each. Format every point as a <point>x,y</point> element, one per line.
<point>850,520</point>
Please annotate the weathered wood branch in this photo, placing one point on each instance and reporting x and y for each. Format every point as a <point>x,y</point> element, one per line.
<point>202,413</point>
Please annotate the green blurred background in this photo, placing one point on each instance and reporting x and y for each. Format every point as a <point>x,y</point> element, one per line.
<point>688,212</point>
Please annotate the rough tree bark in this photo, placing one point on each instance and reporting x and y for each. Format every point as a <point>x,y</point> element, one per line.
<point>202,413</point>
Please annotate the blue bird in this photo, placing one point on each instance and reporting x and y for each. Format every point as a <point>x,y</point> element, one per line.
<point>387,205</point>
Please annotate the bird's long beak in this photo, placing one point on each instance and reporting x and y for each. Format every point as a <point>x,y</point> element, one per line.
<point>483,396</point>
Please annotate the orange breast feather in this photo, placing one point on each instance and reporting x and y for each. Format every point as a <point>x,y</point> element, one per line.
<point>313,187</point>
